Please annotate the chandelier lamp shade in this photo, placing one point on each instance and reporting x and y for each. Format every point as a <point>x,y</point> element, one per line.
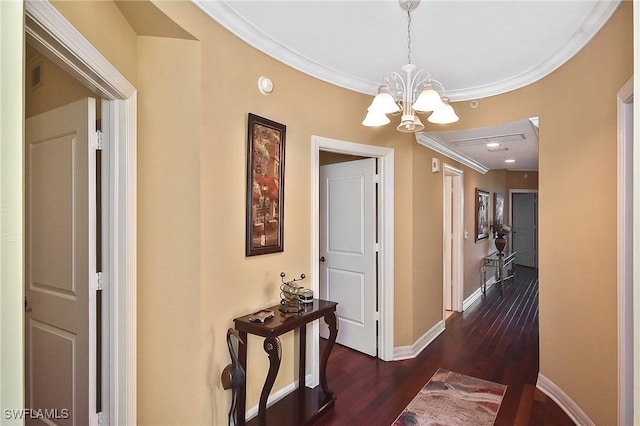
<point>409,93</point>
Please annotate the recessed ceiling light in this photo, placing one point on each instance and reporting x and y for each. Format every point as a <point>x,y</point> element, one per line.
<point>493,145</point>
<point>509,160</point>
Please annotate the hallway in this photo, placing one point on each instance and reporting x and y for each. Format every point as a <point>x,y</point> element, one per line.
<point>496,339</point>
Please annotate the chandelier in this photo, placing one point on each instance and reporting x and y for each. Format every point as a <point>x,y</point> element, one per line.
<point>414,92</point>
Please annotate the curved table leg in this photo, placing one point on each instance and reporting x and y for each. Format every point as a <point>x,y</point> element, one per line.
<point>331,321</point>
<point>273,348</point>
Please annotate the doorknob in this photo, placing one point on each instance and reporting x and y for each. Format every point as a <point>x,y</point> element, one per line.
<point>322,259</point>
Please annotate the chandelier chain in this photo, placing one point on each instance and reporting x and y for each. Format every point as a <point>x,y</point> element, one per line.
<point>409,34</point>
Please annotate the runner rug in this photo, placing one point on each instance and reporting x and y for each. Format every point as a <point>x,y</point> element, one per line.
<point>454,399</point>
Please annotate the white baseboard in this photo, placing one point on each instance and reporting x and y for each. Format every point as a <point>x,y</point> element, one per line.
<point>408,352</point>
<point>477,294</point>
<point>471,299</point>
<point>564,401</point>
<point>276,396</point>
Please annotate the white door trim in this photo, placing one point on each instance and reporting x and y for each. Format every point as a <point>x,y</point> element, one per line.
<point>457,227</point>
<point>54,36</point>
<point>625,253</point>
<point>385,228</point>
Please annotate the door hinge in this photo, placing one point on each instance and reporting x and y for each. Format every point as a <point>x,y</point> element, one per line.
<point>99,418</point>
<point>376,178</point>
<point>96,141</point>
<point>377,316</point>
<point>376,247</point>
<point>97,281</point>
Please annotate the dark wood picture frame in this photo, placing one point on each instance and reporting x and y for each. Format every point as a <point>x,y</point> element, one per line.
<point>498,208</point>
<point>482,214</point>
<point>265,186</point>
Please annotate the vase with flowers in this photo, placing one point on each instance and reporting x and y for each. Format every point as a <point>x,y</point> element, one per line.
<point>500,230</point>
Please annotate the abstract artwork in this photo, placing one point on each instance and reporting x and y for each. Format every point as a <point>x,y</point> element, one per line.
<point>265,186</point>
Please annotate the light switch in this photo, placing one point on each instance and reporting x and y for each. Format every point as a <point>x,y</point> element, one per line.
<point>435,165</point>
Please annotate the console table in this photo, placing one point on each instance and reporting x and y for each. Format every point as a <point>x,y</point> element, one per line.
<point>501,261</point>
<point>304,404</point>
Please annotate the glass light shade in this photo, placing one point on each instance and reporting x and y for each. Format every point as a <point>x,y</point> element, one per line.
<point>429,100</point>
<point>410,124</point>
<point>384,103</point>
<point>444,115</point>
<point>375,119</point>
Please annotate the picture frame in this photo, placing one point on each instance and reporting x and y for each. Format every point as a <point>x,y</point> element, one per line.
<point>482,214</point>
<point>498,208</point>
<point>265,186</point>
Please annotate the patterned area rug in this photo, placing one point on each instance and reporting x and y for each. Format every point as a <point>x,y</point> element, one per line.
<point>454,399</point>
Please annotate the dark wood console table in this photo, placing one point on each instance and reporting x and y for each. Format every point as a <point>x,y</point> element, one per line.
<point>304,404</point>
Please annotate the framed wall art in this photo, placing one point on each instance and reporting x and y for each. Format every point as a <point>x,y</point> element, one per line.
<point>482,214</point>
<point>265,186</point>
<point>498,208</point>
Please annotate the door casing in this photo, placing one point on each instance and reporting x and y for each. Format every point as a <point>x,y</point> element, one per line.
<point>385,157</point>
<point>453,255</point>
<point>627,168</point>
<point>50,32</point>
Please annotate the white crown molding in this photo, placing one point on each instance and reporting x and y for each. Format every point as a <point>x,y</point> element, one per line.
<point>426,141</point>
<point>232,21</point>
<point>564,401</point>
<point>594,22</point>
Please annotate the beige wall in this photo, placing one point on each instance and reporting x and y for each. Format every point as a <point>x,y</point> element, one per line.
<point>521,180</point>
<point>193,275</point>
<point>56,88</point>
<point>169,146</point>
<point>107,30</point>
<point>578,285</point>
<point>427,297</point>
<point>577,110</point>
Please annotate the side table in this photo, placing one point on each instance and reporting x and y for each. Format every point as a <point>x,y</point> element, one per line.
<point>304,404</point>
<point>501,261</point>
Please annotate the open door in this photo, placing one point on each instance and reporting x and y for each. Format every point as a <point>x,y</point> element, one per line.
<point>61,276</point>
<point>348,250</point>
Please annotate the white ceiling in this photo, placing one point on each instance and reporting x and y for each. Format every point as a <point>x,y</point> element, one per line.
<point>475,48</point>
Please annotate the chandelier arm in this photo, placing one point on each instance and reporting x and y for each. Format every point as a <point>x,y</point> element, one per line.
<point>441,86</point>
<point>419,80</point>
<point>396,85</point>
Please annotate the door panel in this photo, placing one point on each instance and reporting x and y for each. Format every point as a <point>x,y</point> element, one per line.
<point>52,356</point>
<point>524,233</point>
<point>60,243</point>
<point>347,243</point>
<point>349,288</point>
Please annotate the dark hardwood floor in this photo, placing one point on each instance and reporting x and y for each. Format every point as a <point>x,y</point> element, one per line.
<point>495,339</point>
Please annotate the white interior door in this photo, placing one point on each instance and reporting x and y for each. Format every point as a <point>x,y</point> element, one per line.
<point>524,232</point>
<point>348,252</point>
<point>61,266</point>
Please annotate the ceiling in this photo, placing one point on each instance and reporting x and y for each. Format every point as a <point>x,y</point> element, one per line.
<point>475,48</point>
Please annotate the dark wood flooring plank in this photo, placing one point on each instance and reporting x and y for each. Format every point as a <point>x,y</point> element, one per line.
<point>496,339</point>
